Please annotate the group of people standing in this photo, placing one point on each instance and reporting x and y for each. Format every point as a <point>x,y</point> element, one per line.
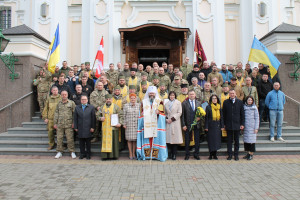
<point>159,105</point>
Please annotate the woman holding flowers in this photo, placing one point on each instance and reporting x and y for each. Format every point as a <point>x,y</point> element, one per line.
<point>213,125</point>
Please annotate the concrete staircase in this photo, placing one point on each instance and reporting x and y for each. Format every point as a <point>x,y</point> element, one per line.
<point>32,139</point>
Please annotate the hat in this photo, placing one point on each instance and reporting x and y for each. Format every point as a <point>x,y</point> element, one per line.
<point>196,66</point>
<point>117,87</point>
<point>162,84</point>
<point>152,89</point>
<point>133,69</point>
<point>155,77</point>
<point>121,77</point>
<point>184,85</point>
<point>225,85</point>
<point>132,87</point>
<point>144,83</point>
<point>239,70</point>
<point>177,78</point>
<point>108,96</point>
<point>87,63</point>
<point>55,75</point>
<point>233,78</point>
<point>144,74</point>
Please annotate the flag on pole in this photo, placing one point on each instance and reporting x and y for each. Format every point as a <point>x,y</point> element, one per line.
<point>260,54</point>
<point>54,51</point>
<point>198,50</point>
<point>99,59</point>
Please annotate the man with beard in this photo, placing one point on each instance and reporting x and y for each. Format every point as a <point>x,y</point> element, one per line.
<point>110,134</point>
<point>165,66</point>
<point>133,79</point>
<point>151,138</point>
<point>184,93</point>
<point>170,72</point>
<point>143,90</point>
<point>240,79</point>
<point>163,92</point>
<point>155,81</point>
<point>215,74</point>
<point>123,86</point>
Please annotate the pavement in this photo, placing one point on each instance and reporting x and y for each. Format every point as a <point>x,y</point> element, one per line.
<point>43,177</point>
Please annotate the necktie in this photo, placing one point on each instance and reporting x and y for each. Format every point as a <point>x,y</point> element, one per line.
<point>193,105</point>
<point>83,107</point>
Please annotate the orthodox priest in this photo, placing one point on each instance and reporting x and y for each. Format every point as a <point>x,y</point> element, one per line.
<point>151,136</point>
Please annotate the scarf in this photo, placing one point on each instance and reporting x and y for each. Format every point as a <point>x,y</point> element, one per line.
<point>215,109</point>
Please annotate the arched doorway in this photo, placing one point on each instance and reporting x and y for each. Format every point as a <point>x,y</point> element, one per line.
<point>154,42</point>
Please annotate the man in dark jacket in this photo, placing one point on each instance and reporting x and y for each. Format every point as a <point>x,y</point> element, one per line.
<point>84,124</point>
<point>194,73</point>
<point>206,69</point>
<point>62,85</point>
<point>234,121</point>
<point>189,108</point>
<point>263,88</point>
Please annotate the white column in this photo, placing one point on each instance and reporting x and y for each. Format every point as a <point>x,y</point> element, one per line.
<point>116,15</point>
<point>87,31</point>
<point>247,28</point>
<point>273,16</point>
<point>60,15</point>
<point>189,51</point>
<point>219,33</point>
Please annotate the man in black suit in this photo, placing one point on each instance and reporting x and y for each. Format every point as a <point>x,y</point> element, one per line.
<point>189,108</point>
<point>234,121</point>
<point>84,124</point>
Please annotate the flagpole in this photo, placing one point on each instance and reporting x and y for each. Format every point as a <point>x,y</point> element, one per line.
<point>96,56</point>
<point>48,55</point>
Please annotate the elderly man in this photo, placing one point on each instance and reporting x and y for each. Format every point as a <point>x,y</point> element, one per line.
<point>184,93</point>
<point>63,123</point>
<point>97,100</point>
<point>119,67</point>
<point>186,68</point>
<point>151,138</point>
<point>110,129</point>
<point>227,75</point>
<point>207,92</point>
<point>197,88</point>
<point>250,90</point>
<point>112,74</point>
<point>215,74</point>
<point>239,66</point>
<point>140,69</point>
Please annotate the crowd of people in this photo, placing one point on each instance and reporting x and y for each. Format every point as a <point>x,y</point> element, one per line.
<point>190,103</point>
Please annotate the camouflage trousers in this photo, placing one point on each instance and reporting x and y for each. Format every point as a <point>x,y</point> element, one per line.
<point>51,133</point>
<point>60,137</point>
<point>42,96</point>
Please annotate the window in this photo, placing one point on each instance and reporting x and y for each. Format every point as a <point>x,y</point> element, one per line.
<point>5,17</point>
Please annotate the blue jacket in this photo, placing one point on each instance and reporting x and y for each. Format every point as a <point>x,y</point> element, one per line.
<point>226,75</point>
<point>275,100</point>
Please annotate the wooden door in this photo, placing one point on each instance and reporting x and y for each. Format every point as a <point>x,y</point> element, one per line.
<point>176,56</point>
<point>131,55</point>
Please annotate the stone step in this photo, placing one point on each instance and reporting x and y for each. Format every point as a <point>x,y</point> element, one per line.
<point>266,124</point>
<point>22,136</point>
<point>37,119</point>
<point>37,114</point>
<point>27,130</point>
<point>40,124</point>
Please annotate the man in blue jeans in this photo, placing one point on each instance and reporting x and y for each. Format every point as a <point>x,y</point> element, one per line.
<point>275,101</point>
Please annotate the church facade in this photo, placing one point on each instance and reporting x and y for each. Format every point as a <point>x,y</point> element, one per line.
<point>144,31</point>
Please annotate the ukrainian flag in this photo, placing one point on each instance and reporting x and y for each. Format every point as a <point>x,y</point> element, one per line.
<point>54,51</point>
<point>260,54</point>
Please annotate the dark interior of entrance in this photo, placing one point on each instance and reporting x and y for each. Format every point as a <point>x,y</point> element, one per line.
<point>148,56</point>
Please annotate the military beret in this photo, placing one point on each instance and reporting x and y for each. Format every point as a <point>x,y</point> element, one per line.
<point>121,77</point>
<point>239,70</point>
<point>133,69</point>
<point>144,83</point>
<point>184,85</point>
<point>132,87</point>
<point>155,77</point>
<point>177,78</point>
<point>108,96</point>
<point>87,63</point>
<point>117,87</point>
<point>144,74</point>
<point>162,84</point>
<point>225,85</point>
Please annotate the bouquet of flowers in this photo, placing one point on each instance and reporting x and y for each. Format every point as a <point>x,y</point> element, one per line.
<point>200,113</point>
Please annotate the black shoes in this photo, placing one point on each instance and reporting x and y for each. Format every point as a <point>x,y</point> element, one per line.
<point>197,157</point>
<point>246,156</point>
<point>187,158</point>
<point>82,156</point>
<point>229,157</point>
<point>250,157</point>
<point>210,157</point>
<point>173,157</point>
<point>215,157</point>
<point>236,158</point>
<point>88,157</point>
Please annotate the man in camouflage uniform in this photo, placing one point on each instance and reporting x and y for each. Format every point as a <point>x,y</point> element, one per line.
<point>48,114</point>
<point>112,75</point>
<point>144,77</point>
<point>215,74</point>
<point>140,70</point>
<point>64,69</point>
<point>162,91</point>
<point>164,78</point>
<point>97,99</point>
<point>215,87</point>
<point>143,90</point>
<point>186,68</point>
<point>43,87</point>
<point>175,86</point>
<point>155,81</point>
<point>125,72</point>
<point>207,92</point>
<point>238,90</point>
<point>197,88</point>
<point>154,74</point>
<point>133,79</point>
<point>184,92</point>
<point>63,123</point>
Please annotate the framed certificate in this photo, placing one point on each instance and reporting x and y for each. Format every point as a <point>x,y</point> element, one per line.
<point>114,120</point>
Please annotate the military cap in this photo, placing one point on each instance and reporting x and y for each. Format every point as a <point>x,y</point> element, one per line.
<point>196,66</point>
<point>162,84</point>
<point>132,87</point>
<point>117,87</point>
<point>177,78</point>
<point>239,70</point>
<point>155,77</point>
<point>108,96</point>
<point>133,69</point>
<point>121,77</point>
<point>144,83</point>
<point>144,74</point>
<point>225,85</point>
<point>184,85</point>
<point>87,63</point>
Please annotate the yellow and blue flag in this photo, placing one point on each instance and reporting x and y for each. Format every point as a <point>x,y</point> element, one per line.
<point>260,54</point>
<point>54,51</point>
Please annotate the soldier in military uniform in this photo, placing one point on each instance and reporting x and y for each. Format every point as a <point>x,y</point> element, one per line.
<point>207,92</point>
<point>154,74</point>
<point>125,73</point>
<point>149,72</point>
<point>64,69</point>
<point>86,88</point>
<point>175,86</point>
<point>163,94</point>
<point>238,90</point>
<point>225,93</point>
<point>215,74</point>
<point>133,79</point>
<point>48,114</point>
<point>186,68</point>
<point>63,123</point>
<point>143,90</point>
<point>144,77</point>
<point>43,87</point>
<point>112,75</point>
<point>240,80</point>
<point>140,70</point>
<point>164,78</point>
<point>97,100</point>
<point>184,93</point>
<point>155,81</point>
<point>215,87</point>
<point>250,90</point>
<point>197,88</point>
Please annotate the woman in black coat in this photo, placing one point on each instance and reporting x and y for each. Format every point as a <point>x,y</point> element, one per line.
<point>213,125</point>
